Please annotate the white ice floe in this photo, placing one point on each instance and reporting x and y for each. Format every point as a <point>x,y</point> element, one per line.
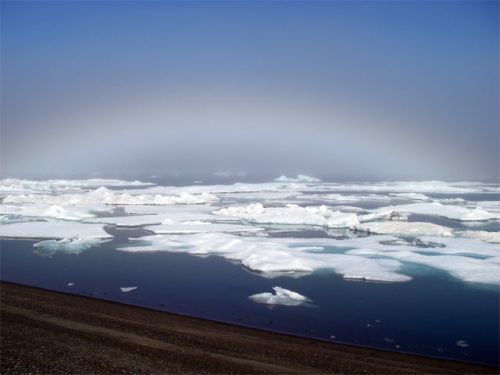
<point>200,227</point>
<point>299,178</point>
<point>462,343</point>
<point>16,186</point>
<point>49,229</point>
<point>46,211</point>
<point>405,228</point>
<point>412,196</point>
<point>442,210</point>
<point>383,214</point>
<point>71,245</point>
<point>482,235</point>
<point>281,296</point>
<point>415,187</point>
<point>274,256</point>
<point>71,284</point>
<point>469,260</point>
<point>103,195</point>
<point>126,289</point>
<point>291,214</point>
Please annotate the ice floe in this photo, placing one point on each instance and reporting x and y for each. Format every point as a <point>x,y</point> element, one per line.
<point>72,245</point>
<point>291,214</point>
<point>443,210</point>
<point>281,296</point>
<point>482,235</point>
<point>59,230</point>
<point>200,227</point>
<point>299,178</point>
<point>14,185</point>
<point>405,228</point>
<point>46,211</point>
<point>104,195</point>
<point>273,256</point>
<point>126,289</point>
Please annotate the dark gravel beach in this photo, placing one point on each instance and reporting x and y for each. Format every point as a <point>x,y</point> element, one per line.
<point>51,332</point>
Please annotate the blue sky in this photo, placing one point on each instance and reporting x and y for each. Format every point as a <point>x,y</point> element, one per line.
<point>345,89</point>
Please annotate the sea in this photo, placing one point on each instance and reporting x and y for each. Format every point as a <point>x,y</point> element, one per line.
<point>448,308</point>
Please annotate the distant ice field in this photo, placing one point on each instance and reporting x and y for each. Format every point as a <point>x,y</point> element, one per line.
<point>457,221</point>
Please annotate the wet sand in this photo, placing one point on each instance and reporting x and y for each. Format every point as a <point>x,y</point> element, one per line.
<point>51,332</point>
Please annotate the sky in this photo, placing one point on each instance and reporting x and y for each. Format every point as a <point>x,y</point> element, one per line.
<point>346,90</point>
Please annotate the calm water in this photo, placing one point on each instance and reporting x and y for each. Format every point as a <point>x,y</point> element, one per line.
<point>427,315</point>
<point>433,314</point>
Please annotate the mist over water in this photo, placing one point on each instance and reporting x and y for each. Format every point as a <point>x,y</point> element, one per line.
<point>343,91</point>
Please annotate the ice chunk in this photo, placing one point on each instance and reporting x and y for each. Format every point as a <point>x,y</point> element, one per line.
<point>126,289</point>
<point>462,343</point>
<point>281,296</point>
<point>405,228</point>
<point>383,214</point>
<point>106,196</point>
<point>291,214</point>
<point>46,211</point>
<point>49,229</point>
<point>412,196</point>
<point>18,186</point>
<point>72,245</point>
<point>482,235</point>
<point>439,187</point>
<point>200,227</point>
<point>443,210</point>
<point>71,284</point>
<point>299,178</point>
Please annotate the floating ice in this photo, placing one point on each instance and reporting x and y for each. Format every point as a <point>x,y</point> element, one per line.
<point>482,235</point>
<point>71,284</point>
<point>274,256</point>
<point>126,289</point>
<point>462,343</point>
<point>46,211</point>
<point>299,178</point>
<point>416,187</point>
<point>383,214</point>
<point>200,227</point>
<point>71,245</point>
<point>443,210</point>
<point>291,214</point>
<point>106,196</point>
<point>49,229</point>
<point>15,186</point>
<point>281,296</point>
<point>405,228</point>
<point>412,196</point>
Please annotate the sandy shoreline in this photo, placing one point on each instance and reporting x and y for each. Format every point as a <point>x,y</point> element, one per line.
<point>51,332</point>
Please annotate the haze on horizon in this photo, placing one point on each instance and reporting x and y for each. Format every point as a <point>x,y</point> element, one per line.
<point>360,90</point>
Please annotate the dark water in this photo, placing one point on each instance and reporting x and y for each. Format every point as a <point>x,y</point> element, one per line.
<point>427,315</point>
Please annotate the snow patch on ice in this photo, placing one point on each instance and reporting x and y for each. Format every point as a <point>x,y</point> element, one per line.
<point>291,214</point>
<point>443,210</point>
<point>405,228</point>
<point>482,235</point>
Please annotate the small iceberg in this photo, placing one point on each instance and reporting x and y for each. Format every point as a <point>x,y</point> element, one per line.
<point>281,296</point>
<point>71,245</point>
<point>126,289</point>
<point>462,343</point>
